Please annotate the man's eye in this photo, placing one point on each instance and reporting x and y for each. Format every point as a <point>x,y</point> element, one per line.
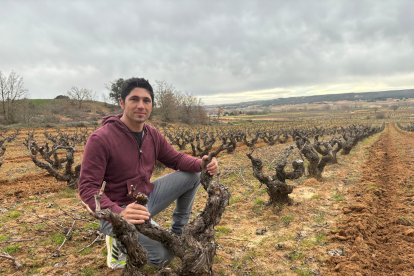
<point>147,100</point>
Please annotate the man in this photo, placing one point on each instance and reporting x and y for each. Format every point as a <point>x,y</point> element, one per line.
<point>123,153</point>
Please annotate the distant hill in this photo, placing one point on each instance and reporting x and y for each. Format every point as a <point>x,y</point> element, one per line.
<point>49,112</point>
<point>363,96</point>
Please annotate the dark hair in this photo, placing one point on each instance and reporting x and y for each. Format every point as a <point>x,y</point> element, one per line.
<point>129,84</point>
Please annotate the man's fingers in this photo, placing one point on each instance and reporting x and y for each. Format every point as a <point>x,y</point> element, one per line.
<point>137,206</point>
<point>135,221</point>
<point>136,214</point>
<point>211,166</point>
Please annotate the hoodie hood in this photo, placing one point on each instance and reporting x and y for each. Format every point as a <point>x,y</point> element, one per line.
<point>111,118</point>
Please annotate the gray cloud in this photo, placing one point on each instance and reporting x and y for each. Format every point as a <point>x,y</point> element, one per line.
<point>207,48</point>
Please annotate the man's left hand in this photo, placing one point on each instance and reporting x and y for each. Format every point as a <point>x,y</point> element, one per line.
<point>212,167</point>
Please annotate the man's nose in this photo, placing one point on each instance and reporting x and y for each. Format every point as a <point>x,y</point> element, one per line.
<point>140,104</point>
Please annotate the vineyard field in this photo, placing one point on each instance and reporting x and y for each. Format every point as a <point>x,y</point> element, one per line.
<point>356,219</point>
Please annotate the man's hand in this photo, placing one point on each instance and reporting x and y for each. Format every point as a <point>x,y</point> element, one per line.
<point>212,167</point>
<point>135,213</point>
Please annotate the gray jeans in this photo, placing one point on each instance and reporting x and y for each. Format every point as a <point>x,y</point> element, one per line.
<point>178,186</point>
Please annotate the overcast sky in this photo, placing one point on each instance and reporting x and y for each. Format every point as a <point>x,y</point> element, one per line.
<point>220,51</point>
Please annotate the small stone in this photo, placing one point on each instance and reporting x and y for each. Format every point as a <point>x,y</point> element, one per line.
<point>300,235</point>
<point>261,231</point>
<point>359,240</point>
<point>337,267</point>
<point>315,272</point>
<point>336,252</point>
<point>354,257</point>
<point>409,232</point>
<point>280,246</point>
<point>341,238</point>
<point>59,264</point>
<point>356,207</point>
<point>378,192</point>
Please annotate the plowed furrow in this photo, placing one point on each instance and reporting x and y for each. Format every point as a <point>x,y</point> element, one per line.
<point>377,231</point>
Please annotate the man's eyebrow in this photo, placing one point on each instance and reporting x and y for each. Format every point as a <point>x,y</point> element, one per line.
<point>138,97</point>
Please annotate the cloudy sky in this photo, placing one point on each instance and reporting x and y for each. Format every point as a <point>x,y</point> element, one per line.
<point>220,51</point>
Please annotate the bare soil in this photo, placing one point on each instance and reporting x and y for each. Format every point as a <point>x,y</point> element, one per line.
<point>377,229</point>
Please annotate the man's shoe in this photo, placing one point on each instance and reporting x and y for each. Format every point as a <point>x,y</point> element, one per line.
<point>115,257</point>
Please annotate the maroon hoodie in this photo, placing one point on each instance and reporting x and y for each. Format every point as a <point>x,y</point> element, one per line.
<point>112,155</point>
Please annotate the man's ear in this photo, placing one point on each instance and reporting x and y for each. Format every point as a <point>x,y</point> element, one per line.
<point>121,103</point>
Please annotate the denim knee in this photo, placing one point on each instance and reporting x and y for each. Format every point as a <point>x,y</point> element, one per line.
<point>194,179</point>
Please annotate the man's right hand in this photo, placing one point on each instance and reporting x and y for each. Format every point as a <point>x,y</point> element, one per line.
<point>135,213</point>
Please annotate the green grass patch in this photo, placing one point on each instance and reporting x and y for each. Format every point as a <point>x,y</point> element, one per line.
<point>286,220</point>
<point>32,271</point>
<point>319,218</point>
<point>39,226</point>
<point>12,248</point>
<point>57,238</point>
<point>268,241</point>
<point>259,202</point>
<point>104,252</point>
<point>405,221</point>
<point>4,238</point>
<point>218,259</point>
<point>14,214</point>
<point>230,178</point>
<point>258,205</point>
<point>307,244</point>
<point>338,196</point>
<point>303,271</point>
<point>223,230</point>
<point>321,239</point>
<point>67,193</point>
<point>88,271</point>
<point>92,226</point>
<point>284,238</point>
<point>245,261</point>
<point>262,192</point>
<point>86,251</point>
<point>295,255</point>
<point>40,102</point>
<point>235,199</point>
<point>371,186</point>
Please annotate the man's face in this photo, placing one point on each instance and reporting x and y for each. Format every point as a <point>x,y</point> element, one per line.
<point>137,105</point>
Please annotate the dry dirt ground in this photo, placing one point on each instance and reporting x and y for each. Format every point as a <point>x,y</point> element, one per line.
<point>376,231</point>
<point>358,220</point>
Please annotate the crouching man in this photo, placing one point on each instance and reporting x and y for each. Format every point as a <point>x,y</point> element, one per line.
<point>123,153</point>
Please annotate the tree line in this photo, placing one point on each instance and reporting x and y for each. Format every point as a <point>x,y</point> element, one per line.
<point>171,105</point>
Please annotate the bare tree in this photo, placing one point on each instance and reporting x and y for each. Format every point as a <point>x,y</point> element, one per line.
<point>80,95</point>
<point>26,111</point>
<point>11,90</point>
<point>188,106</point>
<point>220,111</point>
<point>168,101</point>
<point>192,110</point>
<point>3,92</point>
